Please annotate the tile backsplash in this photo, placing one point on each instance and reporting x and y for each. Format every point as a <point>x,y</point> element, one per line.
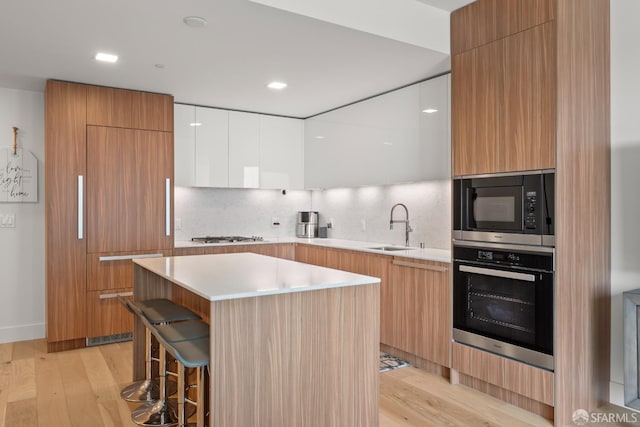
<point>363,213</point>
<point>357,213</point>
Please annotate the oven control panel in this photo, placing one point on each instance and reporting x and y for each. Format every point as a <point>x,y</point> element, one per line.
<point>530,210</point>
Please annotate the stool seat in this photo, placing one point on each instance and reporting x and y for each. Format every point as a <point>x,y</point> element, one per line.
<point>192,354</point>
<point>162,311</point>
<point>183,331</point>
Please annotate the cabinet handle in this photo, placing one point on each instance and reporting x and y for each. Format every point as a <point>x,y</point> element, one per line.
<point>422,266</point>
<point>168,207</point>
<point>498,273</point>
<point>80,207</point>
<point>125,257</point>
<point>120,294</point>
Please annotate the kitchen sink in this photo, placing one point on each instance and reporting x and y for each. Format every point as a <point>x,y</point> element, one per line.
<point>390,248</point>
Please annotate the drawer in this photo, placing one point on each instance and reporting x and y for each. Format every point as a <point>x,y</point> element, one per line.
<point>106,315</point>
<point>114,270</point>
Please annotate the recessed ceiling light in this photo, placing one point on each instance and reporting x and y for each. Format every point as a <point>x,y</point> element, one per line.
<point>159,66</point>
<point>429,111</point>
<point>388,143</point>
<point>195,124</point>
<point>319,137</point>
<point>277,85</point>
<point>195,21</point>
<point>106,57</point>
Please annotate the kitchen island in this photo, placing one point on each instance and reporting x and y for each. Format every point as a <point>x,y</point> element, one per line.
<point>292,344</point>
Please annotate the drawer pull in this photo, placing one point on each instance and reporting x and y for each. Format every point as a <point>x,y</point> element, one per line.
<point>422,266</point>
<point>120,294</point>
<point>126,257</point>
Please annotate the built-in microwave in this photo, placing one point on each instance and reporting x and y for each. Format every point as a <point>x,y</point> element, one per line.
<point>515,208</point>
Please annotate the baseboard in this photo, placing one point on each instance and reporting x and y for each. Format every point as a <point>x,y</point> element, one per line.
<point>22,332</point>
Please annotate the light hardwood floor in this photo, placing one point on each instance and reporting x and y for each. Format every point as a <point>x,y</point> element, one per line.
<point>81,388</point>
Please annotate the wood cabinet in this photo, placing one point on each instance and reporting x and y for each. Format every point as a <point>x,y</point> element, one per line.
<point>113,270</point>
<point>278,250</point>
<point>422,309</point>
<point>128,198</point>
<point>503,104</point>
<point>65,153</point>
<point>129,109</point>
<point>553,111</point>
<point>106,315</point>
<point>486,21</point>
<point>109,154</point>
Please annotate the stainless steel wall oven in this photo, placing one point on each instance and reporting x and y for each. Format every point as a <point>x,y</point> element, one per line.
<point>503,300</point>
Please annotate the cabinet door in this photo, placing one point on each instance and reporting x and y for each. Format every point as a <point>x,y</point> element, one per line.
<point>422,309</point>
<point>244,146</point>
<point>129,109</point>
<point>281,153</point>
<point>476,90</point>
<point>126,189</point>
<point>184,136</point>
<point>527,110</point>
<point>113,270</point>
<point>65,157</point>
<point>434,147</point>
<point>211,147</point>
<point>107,315</point>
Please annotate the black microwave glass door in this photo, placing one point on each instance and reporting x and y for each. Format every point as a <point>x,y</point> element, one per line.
<point>495,208</point>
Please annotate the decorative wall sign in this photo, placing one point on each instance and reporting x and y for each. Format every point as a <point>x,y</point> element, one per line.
<point>18,173</point>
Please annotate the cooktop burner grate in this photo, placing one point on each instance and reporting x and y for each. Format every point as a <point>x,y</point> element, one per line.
<point>226,239</point>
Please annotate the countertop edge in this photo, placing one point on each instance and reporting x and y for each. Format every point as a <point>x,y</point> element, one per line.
<point>350,245</point>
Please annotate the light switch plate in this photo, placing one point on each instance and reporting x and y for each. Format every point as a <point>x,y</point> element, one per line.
<point>7,220</point>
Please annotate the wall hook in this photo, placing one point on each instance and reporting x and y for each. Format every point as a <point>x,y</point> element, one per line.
<point>15,141</point>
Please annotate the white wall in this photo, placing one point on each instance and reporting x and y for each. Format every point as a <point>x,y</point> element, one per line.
<point>625,173</point>
<point>22,290</point>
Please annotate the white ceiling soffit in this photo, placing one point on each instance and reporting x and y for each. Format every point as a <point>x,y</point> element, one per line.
<point>407,21</point>
<point>226,64</point>
<point>448,5</point>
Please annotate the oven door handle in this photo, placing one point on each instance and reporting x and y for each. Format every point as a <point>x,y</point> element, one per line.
<point>498,273</point>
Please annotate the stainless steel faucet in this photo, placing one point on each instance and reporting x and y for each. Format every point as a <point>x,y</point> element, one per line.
<point>408,228</point>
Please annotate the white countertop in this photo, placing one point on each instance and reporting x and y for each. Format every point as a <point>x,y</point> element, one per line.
<point>242,275</point>
<point>428,254</point>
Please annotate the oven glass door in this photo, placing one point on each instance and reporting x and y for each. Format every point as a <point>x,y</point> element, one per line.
<point>509,305</point>
<point>495,208</point>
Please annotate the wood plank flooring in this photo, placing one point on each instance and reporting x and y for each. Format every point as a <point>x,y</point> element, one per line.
<point>81,388</point>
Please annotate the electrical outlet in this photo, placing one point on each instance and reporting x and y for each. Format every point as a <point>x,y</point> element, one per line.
<point>363,224</point>
<point>7,220</point>
<point>178,223</point>
<point>275,221</point>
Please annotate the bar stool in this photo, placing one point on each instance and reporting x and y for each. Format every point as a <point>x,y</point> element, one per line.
<point>152,312</point>
<point>193,354</point>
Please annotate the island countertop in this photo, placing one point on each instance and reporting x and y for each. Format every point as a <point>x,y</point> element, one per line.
<point>243,275</point>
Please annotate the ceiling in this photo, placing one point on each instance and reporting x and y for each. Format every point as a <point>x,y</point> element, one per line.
<point>227,64</point>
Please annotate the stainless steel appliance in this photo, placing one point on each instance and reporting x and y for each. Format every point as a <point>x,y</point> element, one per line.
<point>307,224</point>
<point>226,239</point>
<point>503,300</point>
<point>513,208</point>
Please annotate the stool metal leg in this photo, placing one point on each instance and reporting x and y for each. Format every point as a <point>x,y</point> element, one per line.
<point>146,390</point>
<point>158,413</point>
<point>201,404</point>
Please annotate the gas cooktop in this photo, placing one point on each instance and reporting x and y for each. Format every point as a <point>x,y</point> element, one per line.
<point>226,239</point>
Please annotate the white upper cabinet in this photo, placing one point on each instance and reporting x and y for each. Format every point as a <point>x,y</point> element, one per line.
<point>212,147</point>
<point>244,150</point>
<point>221,148</point>
<point>201,146</point>
<point>383,140</point>
<point>184,135</point>
<point>281,153</point>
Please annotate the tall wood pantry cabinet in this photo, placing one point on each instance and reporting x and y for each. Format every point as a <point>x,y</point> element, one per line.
<point>109,193</point>
<point>531,90</point>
